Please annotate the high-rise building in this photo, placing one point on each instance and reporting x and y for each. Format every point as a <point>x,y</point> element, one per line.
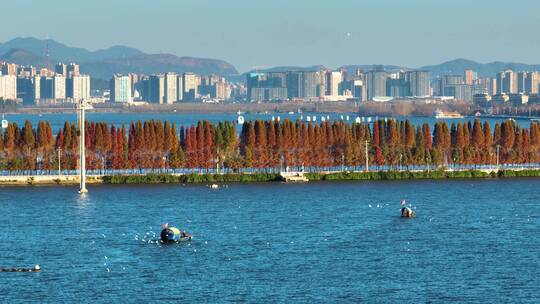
<point>46,88</point>
<point>507,82</point>
<point>294,84</point>
<point>254,81</point>
<point>179,88</point>
<point>333,83</point>
<point>276,79</point>
<point>78,87</point>
<point>171,88</point>
<point>489,84</point>
<point>53,88</point>
<point>376,84</point>
<point>8,87</point>
<point>72,69</point>
<point>419,83</point>
<point>470,76</point>
<point>531,83</point>
<point>397,87</point>
<point>220,90</point>
<point>190,86</point>
<point>460,91</point>
<point>28,89</point>
<point>312,84</point>
<point>26,71</point>
<point>8,68</point>
<point>61,69</point>
<point>59,83</point>
<point>156,89</point>
<point>120,86</point>
<point>261,87</point>
<point>36,90</point>
<point>521,81</point>
<point>446,81</point>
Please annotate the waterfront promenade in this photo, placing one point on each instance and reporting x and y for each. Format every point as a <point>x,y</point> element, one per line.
<point>71,177</point>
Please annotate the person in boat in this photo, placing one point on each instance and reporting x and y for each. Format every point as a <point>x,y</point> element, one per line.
<point>406,211</point>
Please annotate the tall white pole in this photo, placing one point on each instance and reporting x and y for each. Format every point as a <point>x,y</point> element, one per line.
<point>498,158</point>
<point>82,154</point>
<point>59,162</point>
<point>367,157</point>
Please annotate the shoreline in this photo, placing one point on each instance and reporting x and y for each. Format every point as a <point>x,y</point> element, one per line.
<point>399,108</point>
<point>202,178</point>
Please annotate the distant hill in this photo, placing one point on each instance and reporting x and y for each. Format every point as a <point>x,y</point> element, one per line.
<point>59,51</point>
<point>158,63</point>
<point>23,57</point>
<point>457,66</point>
<point>103,63</point>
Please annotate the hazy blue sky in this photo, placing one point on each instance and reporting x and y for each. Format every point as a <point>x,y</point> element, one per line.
<point>254,33</point>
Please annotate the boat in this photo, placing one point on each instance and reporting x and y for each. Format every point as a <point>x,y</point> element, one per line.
<point>294,177</point>
<point>446,115</point>
<point>36,268</point>
<point>407,212</point>
<point>174,235</point>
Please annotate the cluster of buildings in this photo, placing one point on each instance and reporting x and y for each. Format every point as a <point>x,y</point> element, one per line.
<point>337,85</point>
<point>63,84</point>
<point>169,88</point>
<point>507,86</point>
<point>66,84</point>
<point>381,85</point>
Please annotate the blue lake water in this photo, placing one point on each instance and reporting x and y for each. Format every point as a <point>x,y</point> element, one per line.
<point>472,241</point>
<point>57,119</point>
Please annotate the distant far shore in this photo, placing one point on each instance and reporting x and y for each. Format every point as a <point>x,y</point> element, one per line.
<point>205,178</point>
<point>410,108</point>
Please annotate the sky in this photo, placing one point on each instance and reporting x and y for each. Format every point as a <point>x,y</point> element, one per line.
<point>265,33</point>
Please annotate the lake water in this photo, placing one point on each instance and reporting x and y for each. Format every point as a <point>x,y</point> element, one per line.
<point>472,241</point>
<point>57,119</point>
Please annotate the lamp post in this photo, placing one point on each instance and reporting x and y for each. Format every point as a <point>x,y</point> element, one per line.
<point>103,165</point>
<point>59,162</point>
<point>367,157</point>
<point>82,106</point>
<point>498,147</point>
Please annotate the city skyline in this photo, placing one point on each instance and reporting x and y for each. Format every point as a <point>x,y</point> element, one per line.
<point>292,33</point>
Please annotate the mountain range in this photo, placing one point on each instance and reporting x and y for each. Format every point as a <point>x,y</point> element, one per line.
<point>102,64</point>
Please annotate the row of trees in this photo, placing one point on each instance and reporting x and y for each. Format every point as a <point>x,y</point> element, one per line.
<point>268,144</point>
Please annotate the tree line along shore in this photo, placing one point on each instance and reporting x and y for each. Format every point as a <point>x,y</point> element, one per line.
<point>270,146</point>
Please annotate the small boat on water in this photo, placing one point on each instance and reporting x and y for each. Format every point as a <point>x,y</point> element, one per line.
<point>174,235</point>
<point>407,212</point>
<point>446,115</point>
<point>36,268</point>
